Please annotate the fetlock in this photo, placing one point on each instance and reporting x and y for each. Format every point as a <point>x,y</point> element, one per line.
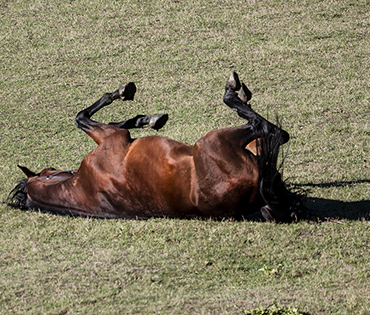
<point>156,121</point>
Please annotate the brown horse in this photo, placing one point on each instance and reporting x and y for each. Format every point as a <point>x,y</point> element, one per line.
<point>228,173</point>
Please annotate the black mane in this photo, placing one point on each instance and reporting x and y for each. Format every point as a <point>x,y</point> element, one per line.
<point>17,198</point>
<point>282,204</point>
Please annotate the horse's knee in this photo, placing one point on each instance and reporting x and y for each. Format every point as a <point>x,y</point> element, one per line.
<point>82,120</point>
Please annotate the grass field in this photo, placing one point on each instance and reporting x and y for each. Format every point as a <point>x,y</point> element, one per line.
<point>307,61</point>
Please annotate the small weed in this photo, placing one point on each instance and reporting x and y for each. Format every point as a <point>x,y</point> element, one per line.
<point>271,271</point>
<point>274,310</point>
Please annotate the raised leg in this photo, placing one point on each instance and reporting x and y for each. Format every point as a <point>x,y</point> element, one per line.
<point>83,118</point>
<point>236,96</point>
<point>98,131</point>
<point>156,122</point>
<point>281,204</point>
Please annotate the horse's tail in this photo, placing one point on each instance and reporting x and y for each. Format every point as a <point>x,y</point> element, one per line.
<point>17,198</point>
<point>281,204</point>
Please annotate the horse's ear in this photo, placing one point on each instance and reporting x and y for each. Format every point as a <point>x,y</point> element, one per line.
<point>26,171</point>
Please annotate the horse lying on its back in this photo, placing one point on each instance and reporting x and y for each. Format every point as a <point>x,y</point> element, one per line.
<point>228,173</point>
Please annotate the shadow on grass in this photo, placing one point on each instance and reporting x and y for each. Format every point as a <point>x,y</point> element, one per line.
<point>328,208</point>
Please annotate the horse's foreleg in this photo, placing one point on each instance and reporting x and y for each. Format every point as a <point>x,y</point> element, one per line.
<point>236,96</point>
<point>83,118</point>
<point>98,131</point>
<point>156,122</point>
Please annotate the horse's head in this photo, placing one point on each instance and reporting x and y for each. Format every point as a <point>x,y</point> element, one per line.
<point>17,198</point>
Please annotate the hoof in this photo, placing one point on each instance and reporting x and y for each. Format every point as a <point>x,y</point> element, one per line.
<point>127,91</point>
<point>157,121</point>
<point>244,94</point>
<point>265,211</point>
<point>233,83</point>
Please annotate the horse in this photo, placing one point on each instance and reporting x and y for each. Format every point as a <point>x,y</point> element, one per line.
<point>230,172</point>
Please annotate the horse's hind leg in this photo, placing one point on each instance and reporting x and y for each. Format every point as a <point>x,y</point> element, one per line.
<point>280,204</point>
<point>236,96</point>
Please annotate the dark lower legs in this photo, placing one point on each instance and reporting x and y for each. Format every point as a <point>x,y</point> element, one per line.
<point>236,96</point>
<point>280,204</point>
<point>125,92</point>
<point>156,122</point>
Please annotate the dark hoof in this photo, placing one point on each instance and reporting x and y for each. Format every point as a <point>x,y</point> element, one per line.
<point>244,94</point>
<point>157,121</point>
<point>265,211</point>
<point>233,83</point>
<point>127,91</point>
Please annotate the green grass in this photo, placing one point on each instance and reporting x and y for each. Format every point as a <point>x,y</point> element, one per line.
<point>305,60</point>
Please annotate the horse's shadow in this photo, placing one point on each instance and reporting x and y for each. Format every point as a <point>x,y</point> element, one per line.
<point>320,208</point>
